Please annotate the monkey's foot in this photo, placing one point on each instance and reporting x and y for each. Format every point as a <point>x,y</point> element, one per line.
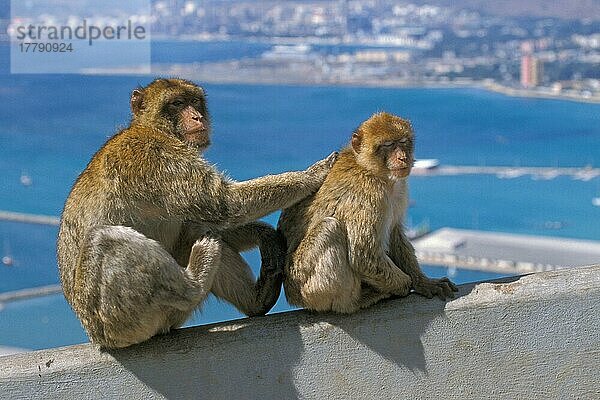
<point>204,260</point>
<point>443,288</point>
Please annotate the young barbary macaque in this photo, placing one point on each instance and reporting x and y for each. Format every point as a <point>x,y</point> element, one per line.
<point>346,244</point>
<point>150,227</point>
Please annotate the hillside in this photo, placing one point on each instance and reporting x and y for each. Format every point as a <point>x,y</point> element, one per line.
<point>572,9</point>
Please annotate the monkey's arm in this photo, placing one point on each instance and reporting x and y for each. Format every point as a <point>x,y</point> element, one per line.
<point>253,199</point>
<point>403,255</point>
<point>165,184</point>
<point>241,238</point>
<point>370,261</point>
<point>250,235</point>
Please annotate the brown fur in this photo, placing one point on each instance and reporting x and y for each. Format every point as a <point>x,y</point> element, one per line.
<point>150,228</point>
<point>346,246</point>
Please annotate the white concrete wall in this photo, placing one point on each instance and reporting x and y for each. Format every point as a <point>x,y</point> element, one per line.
<point>535,337</point>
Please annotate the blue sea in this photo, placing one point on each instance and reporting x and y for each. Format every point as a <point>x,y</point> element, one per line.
<point>51,125</point>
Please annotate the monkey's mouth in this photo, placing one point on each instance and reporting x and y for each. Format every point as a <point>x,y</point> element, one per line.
<point>195,131</point>
<point>400,172</point>
<point>198,137</point>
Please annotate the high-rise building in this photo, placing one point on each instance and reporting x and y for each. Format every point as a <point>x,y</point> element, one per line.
<point>531,71</point>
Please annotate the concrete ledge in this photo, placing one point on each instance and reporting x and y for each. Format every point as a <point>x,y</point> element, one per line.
<point>535,336</point>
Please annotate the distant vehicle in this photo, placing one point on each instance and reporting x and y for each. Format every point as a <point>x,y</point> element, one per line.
<point>426,163</point>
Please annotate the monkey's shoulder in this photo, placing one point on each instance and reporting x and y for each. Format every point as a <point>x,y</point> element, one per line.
<point>348,181</point>
<point>144,152</point>
<point>139,142</point>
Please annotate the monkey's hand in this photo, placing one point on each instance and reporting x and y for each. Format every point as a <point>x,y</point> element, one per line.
<point>320,169</point>
<point>443,288</point>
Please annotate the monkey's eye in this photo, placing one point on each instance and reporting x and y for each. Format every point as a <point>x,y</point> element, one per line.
<point>177,103</point>
<point>403,140</point>
<point>387,144</point>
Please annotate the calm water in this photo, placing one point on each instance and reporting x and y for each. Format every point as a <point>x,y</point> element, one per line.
<point>50,126</point>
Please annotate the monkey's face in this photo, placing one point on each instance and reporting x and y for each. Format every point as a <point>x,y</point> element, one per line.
<point>188,116</point>
<point>384,144</point>
<point>398,156</point>
<point>175,106</point>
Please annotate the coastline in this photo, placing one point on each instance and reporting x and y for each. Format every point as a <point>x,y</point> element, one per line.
<point>248,72</point>
<point>539,94</point>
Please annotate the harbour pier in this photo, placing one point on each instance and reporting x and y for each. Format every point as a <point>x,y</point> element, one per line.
<point>24,294</point>
<point>503,252</point>
<point>540,173</point>
<point>29,218</point>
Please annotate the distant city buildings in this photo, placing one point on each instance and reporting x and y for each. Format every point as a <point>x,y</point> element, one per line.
<point>531,71</point>
<point>392,40</point>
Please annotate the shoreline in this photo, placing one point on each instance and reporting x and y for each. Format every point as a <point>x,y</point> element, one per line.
<point>231,72</point>
<point>525,93</point>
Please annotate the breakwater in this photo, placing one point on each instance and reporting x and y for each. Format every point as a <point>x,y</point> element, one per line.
<point>541,173</point>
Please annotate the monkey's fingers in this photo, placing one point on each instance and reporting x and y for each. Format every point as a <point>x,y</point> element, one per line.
<point>425,293</point>
<point>332,158</point>
<point>446,291</point>
<point>427,289</point>
<point>324,165</point>
<point>450,284</point>
<point>441,288</point>
<point>446,287</point>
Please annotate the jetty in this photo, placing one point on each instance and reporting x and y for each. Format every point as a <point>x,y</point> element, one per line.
<point>502,252</point>
<point>539,173</point>
<point>29,218</point>
<point>29,293</point>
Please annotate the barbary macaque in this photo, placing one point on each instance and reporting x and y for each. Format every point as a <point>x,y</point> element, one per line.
<point>346,245</point>
<point>150,228</point>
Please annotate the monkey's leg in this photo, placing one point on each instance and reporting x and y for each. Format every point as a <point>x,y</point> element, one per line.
<point>370,296</point>
<point>129,288</point>
<point>403,255</point>
<point>273,250</point>
<point>235,283</point>
<point>238,285</point>
<point>321,272</point>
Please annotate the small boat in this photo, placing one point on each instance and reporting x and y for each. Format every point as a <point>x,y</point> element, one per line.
<point>429,163</point>
<point>596,201</point>
<point>26,179</point>
<point>451,271</point>
<point>8,261</point>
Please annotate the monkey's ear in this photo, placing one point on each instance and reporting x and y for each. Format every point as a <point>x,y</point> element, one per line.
<point>356,141</point>
<point>137,101</point>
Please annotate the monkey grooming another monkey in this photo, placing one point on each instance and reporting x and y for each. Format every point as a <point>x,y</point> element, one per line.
<point>150,227</point>
<point>346,244</point>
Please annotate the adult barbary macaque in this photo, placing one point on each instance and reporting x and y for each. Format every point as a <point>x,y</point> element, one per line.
<point>150,228</point>
<point>346,244</point>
